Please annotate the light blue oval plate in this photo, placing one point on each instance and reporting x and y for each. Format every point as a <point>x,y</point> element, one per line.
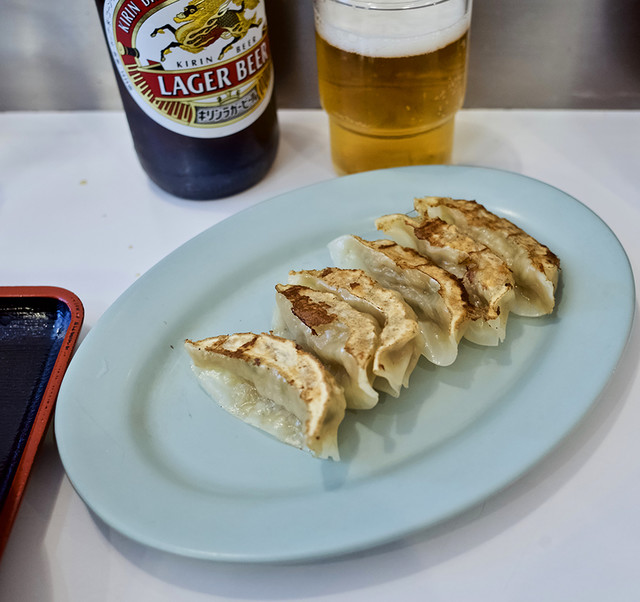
<point>157,460</point>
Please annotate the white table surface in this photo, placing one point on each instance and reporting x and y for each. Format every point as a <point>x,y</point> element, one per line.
<point>76,211</point>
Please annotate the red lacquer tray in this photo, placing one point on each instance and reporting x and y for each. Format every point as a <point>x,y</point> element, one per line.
<point>39,327</point>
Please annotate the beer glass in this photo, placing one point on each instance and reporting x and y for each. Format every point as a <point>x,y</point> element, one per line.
<point>392,75</point>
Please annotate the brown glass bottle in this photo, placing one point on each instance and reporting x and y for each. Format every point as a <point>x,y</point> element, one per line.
<point>219,79</point>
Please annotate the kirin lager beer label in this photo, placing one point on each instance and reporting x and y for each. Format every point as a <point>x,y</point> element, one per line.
<point>200,68</point>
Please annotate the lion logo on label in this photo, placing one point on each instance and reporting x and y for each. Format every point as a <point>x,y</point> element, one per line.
<point>203,22</point>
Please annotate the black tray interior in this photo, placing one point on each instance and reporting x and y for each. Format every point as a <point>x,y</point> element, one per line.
<point>32,330</point>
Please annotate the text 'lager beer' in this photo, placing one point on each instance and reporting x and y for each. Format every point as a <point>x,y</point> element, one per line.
<point>196,81</point>
<point>392,76</point>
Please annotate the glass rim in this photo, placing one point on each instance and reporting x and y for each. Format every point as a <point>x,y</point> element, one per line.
<point>381,5</point>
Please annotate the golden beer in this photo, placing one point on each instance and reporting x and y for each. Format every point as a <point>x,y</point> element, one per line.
<point>388,107</point>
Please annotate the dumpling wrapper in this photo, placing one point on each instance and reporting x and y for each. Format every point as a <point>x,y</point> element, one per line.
<point>485,276</point>
<point>437,297</point>
<point>535,268</point>
<point>400,341</point>
<point>344,338</point>
<point>274,385</point>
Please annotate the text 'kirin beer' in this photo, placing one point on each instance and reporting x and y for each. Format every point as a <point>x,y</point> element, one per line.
<point>196,80</point>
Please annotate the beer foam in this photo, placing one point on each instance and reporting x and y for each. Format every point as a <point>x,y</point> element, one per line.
<point>373,29</point>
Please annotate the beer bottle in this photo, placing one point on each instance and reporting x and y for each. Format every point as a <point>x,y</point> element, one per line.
<point>196,81</point>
